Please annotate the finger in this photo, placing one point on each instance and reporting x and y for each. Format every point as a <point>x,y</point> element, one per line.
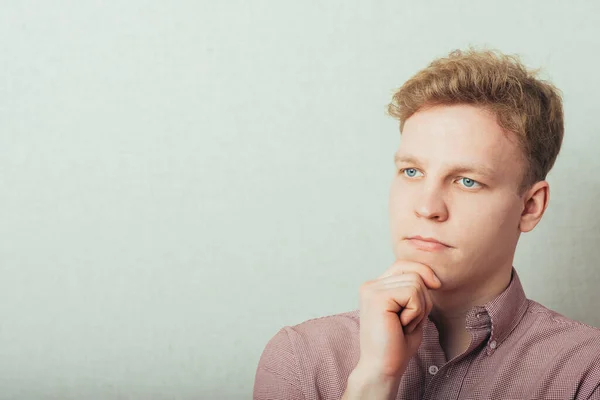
<point>411,327</point>
<point>400,267</point>
<point>423,312</point>
<point>427,307</point>
<point>421,301</point>
<point>428,302</point>
<point>413,303</point>
<point>418,326</point>
<point>411,277</point>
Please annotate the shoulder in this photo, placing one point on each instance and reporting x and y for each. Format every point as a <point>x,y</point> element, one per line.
<point>564,337</point>
<point>554,323</point>
<point>324,348</point>
<point>572,346</point>
<point>328,333</point>
<point>322,330</point>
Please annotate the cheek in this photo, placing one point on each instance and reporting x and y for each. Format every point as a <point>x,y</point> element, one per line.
<point>488,225</point>
<point>399,202</point>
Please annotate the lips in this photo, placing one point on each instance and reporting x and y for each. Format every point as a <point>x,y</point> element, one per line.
<point>427,243</point>
<point>428,239</point>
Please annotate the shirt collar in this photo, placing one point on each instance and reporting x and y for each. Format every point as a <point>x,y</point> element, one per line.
<point>504,312</point>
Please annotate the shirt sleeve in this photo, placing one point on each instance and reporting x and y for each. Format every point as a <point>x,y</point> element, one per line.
<point>277,374</point>
<point>590,387</point>
<point>595,394</point>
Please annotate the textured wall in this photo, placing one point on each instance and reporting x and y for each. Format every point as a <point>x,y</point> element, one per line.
<point>178,180</point>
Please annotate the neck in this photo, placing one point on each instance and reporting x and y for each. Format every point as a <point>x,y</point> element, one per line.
<point>451,307</point>
<point>453,336</point>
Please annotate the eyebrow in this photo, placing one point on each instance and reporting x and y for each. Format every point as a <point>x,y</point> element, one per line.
<point>456,168</point>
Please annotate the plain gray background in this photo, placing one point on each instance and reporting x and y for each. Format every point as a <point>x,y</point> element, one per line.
<point>179,180</point>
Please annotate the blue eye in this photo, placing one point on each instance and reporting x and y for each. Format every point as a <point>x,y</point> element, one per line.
<point>469,183</point>
<point>410,172</point>
<point>466,182</point>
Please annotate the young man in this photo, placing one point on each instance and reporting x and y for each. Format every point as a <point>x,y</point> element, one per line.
<point>449,319</point>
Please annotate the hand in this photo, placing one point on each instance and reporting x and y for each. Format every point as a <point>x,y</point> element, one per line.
<point>393,311</point>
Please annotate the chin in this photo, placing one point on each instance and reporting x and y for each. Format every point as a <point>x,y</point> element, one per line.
<point>438,261</point>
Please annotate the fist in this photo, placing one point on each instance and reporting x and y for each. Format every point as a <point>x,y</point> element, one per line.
<point>393,311</point>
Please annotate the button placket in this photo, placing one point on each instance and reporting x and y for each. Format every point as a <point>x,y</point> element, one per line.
<point>491,348</point>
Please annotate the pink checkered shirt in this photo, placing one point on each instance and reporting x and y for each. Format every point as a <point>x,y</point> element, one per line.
<point>519,350</point>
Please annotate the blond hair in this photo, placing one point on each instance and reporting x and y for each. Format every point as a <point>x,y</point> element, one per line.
<point>528,107</point>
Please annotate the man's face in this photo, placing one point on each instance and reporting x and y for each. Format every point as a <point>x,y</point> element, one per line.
<point>456,180</point>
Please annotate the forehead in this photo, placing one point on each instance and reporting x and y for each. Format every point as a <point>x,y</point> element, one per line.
<point>460,134</point>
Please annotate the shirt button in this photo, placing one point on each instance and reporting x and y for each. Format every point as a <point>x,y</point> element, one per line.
<point>493,345</point>
<point>433,369</point>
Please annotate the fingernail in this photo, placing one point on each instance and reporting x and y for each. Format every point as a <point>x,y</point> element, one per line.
<point>437,280</point>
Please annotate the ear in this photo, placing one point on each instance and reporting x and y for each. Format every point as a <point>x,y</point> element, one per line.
<point>535,202</point>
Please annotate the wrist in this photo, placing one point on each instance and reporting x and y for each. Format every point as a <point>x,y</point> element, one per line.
<point>365,384</point>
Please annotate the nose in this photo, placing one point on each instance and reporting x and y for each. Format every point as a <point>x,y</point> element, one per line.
<point>430,204</point>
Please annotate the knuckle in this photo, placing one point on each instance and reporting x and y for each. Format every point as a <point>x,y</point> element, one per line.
<point>414,290</point>
<point>416,297</point>
<point>412,276</point>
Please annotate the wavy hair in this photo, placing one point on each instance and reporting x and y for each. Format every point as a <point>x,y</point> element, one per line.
<point>525,105</point>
